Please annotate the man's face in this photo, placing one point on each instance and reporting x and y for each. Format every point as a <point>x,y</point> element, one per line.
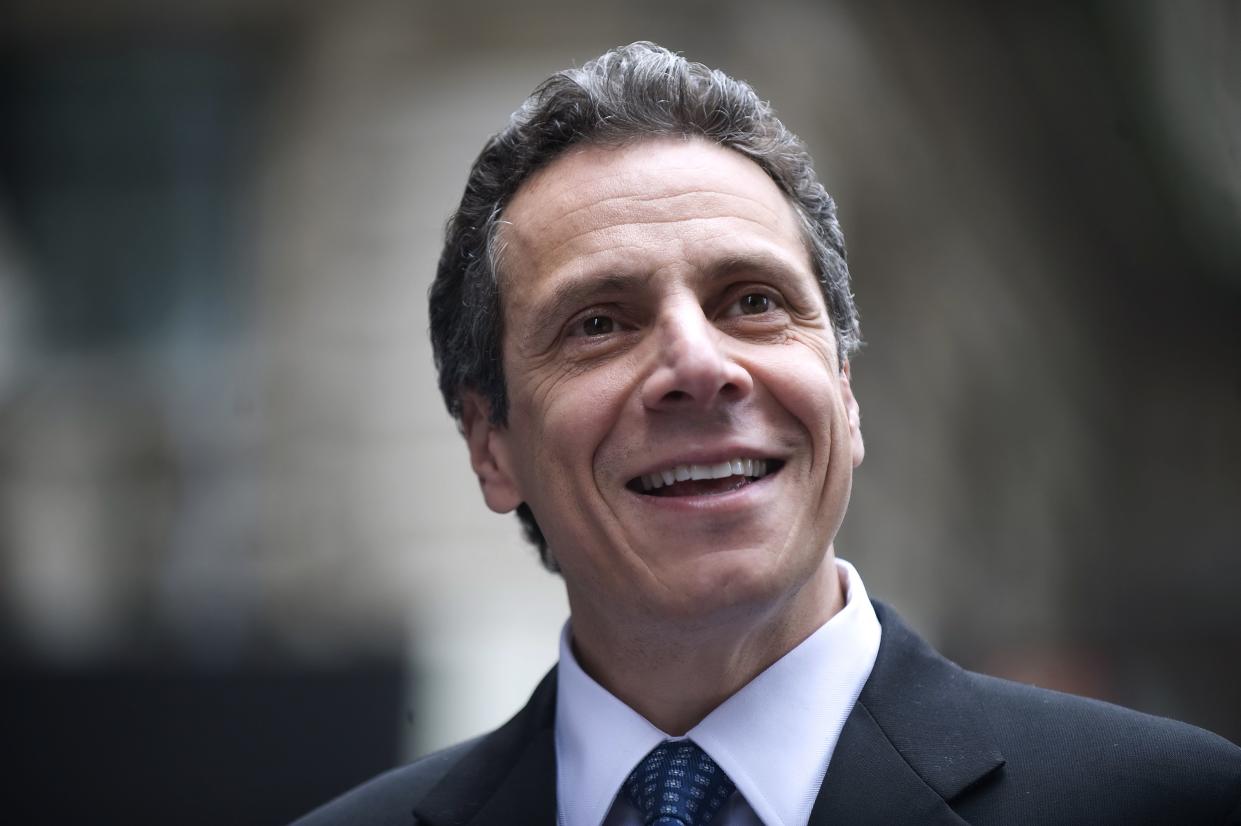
<point>662,319</point>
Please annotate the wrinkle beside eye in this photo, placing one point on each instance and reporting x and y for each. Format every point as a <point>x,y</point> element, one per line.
<point>824,347</point>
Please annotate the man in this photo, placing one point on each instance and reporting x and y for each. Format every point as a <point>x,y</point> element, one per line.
<point>642,321</point>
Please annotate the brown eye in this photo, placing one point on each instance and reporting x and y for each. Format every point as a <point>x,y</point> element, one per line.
<point>754,303</point>
<point>597,325</point>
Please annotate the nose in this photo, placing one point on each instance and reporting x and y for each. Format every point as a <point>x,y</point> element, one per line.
<point>692,368</point>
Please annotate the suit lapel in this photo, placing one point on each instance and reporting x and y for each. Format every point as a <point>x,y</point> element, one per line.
<point>527,794</point>
<point>916,738</point>
<point>508,777</point>
<point>869,782</point>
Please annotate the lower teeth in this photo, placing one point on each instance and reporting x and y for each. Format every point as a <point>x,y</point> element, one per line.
<point>702,486</point>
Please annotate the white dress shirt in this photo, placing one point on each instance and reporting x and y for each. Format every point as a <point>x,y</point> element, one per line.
<point>774,737</point>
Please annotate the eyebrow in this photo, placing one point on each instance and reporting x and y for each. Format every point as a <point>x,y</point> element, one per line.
<point>760,262</point>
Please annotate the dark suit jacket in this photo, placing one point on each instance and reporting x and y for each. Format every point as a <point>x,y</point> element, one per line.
<point>926,743</point>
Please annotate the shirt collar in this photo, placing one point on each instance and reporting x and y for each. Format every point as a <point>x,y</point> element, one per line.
<point>774,737</point>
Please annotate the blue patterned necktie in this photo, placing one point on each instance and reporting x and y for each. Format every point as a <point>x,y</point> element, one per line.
<point>678,784</point>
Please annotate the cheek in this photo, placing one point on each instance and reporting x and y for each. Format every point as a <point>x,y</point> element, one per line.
<point>836,440</point>
<point>567,420</point>
<point>805,384</point>
<point>801,379</point>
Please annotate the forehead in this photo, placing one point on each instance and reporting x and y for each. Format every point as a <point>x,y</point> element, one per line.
<point>638,205</point>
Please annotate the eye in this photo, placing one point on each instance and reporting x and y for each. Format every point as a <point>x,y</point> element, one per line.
<point>753,304</point>
<point>595,325</point>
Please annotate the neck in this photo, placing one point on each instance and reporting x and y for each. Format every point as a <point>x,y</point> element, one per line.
<point>675,673</point>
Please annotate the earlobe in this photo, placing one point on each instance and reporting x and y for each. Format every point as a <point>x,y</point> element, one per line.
<point>855,416</point>
<point>489,454</point>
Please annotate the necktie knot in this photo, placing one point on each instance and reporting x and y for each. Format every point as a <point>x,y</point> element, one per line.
<point>678,784</point>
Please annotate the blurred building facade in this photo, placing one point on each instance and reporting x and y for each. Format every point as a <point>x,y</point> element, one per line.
<point>222,450</point>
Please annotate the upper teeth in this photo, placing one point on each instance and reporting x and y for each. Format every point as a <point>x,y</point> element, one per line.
<point>737,467</point>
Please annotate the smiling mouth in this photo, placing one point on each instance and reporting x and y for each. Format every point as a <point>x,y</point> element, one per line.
<point>704,480</point>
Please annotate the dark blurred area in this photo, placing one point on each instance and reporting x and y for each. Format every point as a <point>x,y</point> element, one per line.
<point>243,563</point>
<point>160,743</point>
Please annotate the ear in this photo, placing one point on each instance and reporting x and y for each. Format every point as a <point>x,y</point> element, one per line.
<point>489,454</point>
<point>855,415</point>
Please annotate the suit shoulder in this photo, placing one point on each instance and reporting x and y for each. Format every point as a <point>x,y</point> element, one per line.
<point>1097,748</point>
<point>1074,720</point>
<point>389,798</point>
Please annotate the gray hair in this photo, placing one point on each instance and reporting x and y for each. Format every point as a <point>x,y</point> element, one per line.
<point>628,93</point>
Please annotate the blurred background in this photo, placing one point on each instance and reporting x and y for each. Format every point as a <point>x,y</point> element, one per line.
<point>243,561</point>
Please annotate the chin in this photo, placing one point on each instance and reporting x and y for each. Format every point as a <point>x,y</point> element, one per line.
<point>724,585</point>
